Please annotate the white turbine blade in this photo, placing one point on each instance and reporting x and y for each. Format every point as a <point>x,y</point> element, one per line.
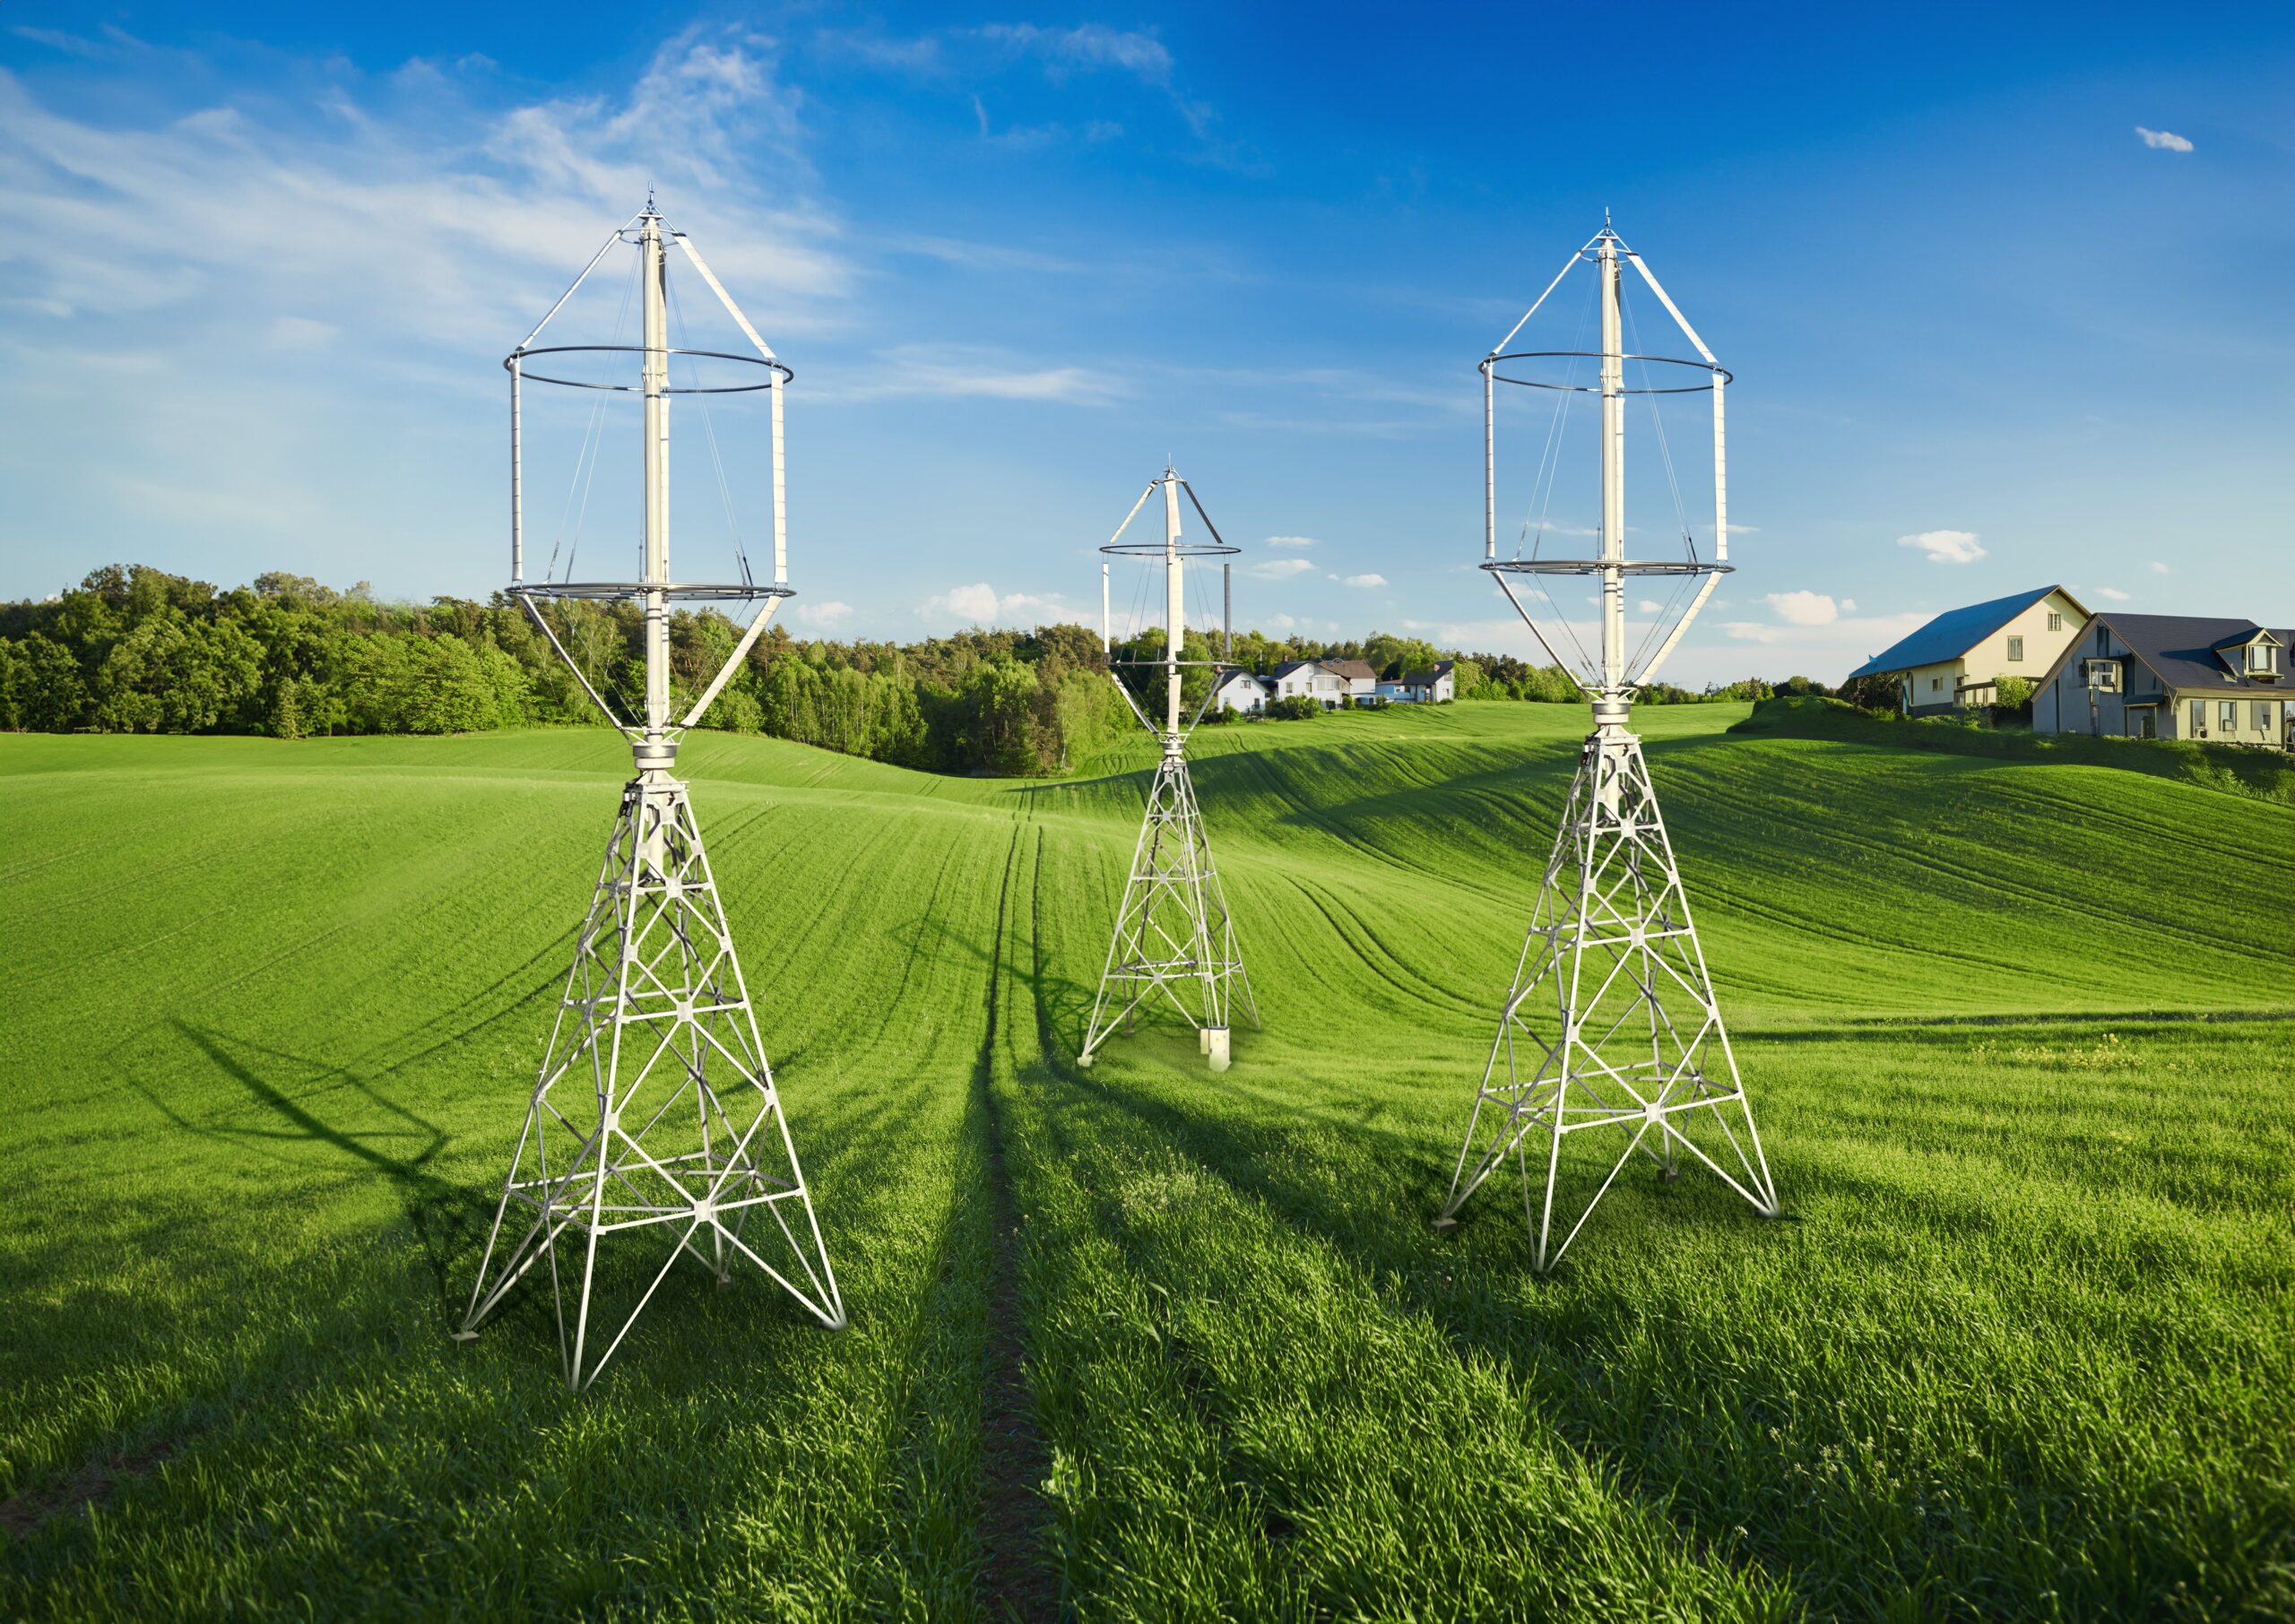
<point>1650,671</point>
<point>733,662</point>
<point>579,281</point>
<point>726,299</point>
<point>1541,298</point>
<point>1672,309</point>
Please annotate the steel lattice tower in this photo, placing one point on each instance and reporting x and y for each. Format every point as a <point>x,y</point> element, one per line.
<point>655,1111</point>
<point>1611,1027</point>
<point>1175,941</point>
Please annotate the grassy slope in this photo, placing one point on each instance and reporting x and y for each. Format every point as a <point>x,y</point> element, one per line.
<point>2023,1347</point>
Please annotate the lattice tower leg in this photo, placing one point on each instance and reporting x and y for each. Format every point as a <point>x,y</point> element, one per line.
<point>656,1113</point>
<point>1611,1029</point>
<point>1175,942</point>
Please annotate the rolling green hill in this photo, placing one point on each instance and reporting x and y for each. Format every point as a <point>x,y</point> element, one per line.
<point>1142,1342</point>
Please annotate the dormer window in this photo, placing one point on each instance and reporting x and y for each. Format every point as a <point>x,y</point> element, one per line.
<point>2263,659</point>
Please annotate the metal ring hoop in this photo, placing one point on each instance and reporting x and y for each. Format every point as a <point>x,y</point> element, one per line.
<point>740,592</point>
<point>1157,549</point>
<point>1489,368</point>
<point>1595,567</point>
<point>515,357</point>
<point>1157,665</point>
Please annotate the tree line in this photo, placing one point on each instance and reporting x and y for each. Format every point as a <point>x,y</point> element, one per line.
<point>137,649</point>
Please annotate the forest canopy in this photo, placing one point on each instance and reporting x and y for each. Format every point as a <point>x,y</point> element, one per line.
<point>137,649</point>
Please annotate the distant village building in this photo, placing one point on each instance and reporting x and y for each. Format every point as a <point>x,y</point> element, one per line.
<point>1241,692</point>
<point>1361,682</point>
<point>1954,661</point>
<point>1307,679</point>
<point>2172,676</point>
<point>1437,685</point>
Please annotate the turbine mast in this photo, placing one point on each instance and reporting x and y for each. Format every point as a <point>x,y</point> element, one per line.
<point>1175,610</point>
<point>1613,475</point>
<point>656,578</point>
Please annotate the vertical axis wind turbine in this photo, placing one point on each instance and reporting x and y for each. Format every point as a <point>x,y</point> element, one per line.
<point>1175,941</point>
<point>655,1110</point>
<point>1611,1028</point>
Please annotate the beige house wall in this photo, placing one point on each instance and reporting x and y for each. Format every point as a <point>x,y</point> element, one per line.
<point>1940,687</point>
<point>2244,730</point>
<point>1990,658</point>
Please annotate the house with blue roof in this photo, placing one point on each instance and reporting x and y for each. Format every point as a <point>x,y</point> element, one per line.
<point>1956,660</point>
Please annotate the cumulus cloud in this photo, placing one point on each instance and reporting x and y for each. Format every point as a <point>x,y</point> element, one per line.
<point>2158,568</point>
<point>1360,580</point>
<point>976,604</point>
<point>1946,546</point>
<point>980,604</point>
<point>826,617</point>
<point>1279,569</point>
<point>2163,141</point>
<point>1834,644</point>
<point>1805,608</point>
<point>1290,540</point>
<point>1034,608</point>
<point>1649,606</point>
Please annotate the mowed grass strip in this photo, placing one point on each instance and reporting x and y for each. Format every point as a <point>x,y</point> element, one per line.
<point>2022,1347</point>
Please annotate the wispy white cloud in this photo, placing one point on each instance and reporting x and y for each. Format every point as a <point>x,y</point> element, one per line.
<point>438,228</point>
<point>1290,540</point>
<point>1279,569</point>
<point>1363,581</point>
<point>1091,44</point>
<point>2164,141</point>
<point>2158,568</point>
<point>941,370</point>
<point>2111,593</point>
<point>823,617</point>
<point>1946,546</point>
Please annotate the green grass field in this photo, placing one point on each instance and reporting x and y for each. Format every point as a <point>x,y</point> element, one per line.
<point>1139,1342</point>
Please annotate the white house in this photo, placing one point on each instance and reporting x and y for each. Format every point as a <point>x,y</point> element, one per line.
<point>1305,678</point>
<point>2172,676</point>
<point>1241,692</point>
<point>1956,659</point>
<point>1437,685</point>
<point>1361,682</point>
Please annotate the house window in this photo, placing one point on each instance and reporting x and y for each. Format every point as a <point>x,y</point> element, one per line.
<point>2199,719</point>
<point>2227,715</point>
<point>2016,651</point>
<point>2055,621</point>
<point>1936,685</point>
<point>2263,660</point>
<point>2259,711</point>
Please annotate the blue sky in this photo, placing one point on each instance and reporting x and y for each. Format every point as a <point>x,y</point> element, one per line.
<point>266,260</point>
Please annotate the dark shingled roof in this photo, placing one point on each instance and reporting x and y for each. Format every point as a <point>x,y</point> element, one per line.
<point>1289,666</point>
<point>1425,679</point>
<point>1354,670</point>
<point>1952,634</point>
<point>2181,648</point>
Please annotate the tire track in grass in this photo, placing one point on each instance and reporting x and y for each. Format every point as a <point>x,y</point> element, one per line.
<point>1016,1581</point>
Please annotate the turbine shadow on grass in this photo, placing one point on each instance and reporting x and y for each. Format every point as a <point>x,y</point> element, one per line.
<point>1393,1257</point>
<point>448,1220</point>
